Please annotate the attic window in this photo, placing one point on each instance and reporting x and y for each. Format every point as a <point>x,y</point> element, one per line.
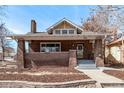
<point>71,31</point>
<point>64,31</point>
<point>57,31</point>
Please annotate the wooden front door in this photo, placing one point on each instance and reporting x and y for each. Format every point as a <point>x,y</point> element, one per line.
<point>80,50</point>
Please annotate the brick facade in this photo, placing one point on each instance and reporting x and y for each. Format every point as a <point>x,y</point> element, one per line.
<point>20,54</point>
<point>36,59</point>
<point>98,53</point>
<point>67,56</point>
<point>72,58</point>
<point>66,45</point>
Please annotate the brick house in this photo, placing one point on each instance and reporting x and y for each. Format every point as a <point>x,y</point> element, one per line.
<point>63,44</point>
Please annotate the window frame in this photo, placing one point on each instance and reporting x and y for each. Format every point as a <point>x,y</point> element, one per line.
<point>64,30</point>
<point>50,43</point>
<point>61,32</point>
<point>71,30</point>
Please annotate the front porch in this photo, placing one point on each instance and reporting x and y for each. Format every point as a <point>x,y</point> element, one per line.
<point>64,55</point>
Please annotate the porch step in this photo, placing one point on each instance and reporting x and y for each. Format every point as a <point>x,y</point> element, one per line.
<point>86,67</point>
<point>86,64</point>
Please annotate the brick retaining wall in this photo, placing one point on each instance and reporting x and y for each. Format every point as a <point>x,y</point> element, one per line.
<point>46,59</point>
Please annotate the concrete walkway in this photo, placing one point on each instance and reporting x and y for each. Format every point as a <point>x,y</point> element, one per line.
<point>101,77</point>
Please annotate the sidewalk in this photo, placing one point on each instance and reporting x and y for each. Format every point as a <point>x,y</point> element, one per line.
<point>101,77</point>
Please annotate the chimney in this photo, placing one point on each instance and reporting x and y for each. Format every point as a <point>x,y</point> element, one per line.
<point>33,26</point>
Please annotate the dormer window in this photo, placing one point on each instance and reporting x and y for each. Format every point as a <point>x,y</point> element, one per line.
<point>64,31</point>
<point>71,31</point>
<point>57,31</point>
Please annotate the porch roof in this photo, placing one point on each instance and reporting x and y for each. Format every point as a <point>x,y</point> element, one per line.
<point>46,36</point>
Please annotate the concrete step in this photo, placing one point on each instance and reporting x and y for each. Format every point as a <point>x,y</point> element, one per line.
<point>86,67</point>
<point>86,64</point>
<point>85,61</point>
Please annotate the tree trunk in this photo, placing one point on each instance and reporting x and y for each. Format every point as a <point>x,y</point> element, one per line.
<point>2,53</point>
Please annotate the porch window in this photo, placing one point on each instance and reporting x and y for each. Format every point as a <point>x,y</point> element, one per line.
<point>50,47</point>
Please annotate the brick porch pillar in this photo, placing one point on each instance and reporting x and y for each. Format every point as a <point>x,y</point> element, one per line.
<point>72,58</point>
<point>30,47</point>
<point>31,64</point>
<point>98,53</point>
<point>20,54</point>
<point>122,54</point>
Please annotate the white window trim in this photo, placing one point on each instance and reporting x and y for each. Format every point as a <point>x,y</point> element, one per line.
<point>64,29</point>
<point>50,43</point>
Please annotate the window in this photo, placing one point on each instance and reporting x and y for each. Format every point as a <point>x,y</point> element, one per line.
<point>57,31</point>
<point>50,47</point>
<point>64,31</point>
<point>71,31</point>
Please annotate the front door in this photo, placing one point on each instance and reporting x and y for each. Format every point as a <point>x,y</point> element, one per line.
<point>80,51</point>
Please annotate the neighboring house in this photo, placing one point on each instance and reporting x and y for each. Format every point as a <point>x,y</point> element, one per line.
<point>63,44</point>
<point>115,51</point>
<point>8,52</point>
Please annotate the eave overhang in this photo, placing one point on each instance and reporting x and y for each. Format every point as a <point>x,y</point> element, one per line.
<point>59,37</point>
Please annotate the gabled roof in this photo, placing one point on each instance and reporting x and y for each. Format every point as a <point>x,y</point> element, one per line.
<point>62,20</point>
<point>115,42</point>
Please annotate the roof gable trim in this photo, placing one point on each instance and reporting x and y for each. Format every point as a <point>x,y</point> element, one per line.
<point>64,19</point>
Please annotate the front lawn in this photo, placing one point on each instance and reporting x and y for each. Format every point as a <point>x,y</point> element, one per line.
<point>116,73</point>
<point>43,74</point>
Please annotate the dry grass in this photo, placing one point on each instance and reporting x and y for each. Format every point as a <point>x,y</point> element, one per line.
<point>116,73</point>
<point>45,74</point>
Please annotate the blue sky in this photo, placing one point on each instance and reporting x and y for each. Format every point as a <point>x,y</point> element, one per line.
<point>19,17</point>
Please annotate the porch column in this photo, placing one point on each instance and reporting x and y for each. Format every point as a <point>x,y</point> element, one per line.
<point>122,54</point>
<point>72,58</point>
<point>20,54</point>
<point>30,47</point>
<point>98,53</point>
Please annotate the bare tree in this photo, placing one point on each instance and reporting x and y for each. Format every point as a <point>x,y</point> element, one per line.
<point>3,41</point>
<point>102,19</point>
<point>3,31</point>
